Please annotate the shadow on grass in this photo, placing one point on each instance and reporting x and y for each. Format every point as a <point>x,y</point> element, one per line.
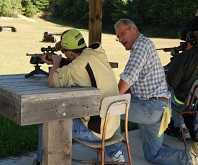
<point>16,140</point>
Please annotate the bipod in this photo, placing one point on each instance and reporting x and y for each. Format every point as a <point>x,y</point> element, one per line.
<point>36,71</point>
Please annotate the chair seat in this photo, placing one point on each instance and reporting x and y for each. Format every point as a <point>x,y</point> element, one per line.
<point>116,138</point>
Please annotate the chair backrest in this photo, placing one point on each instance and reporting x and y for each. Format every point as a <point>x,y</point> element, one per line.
<point>193,95</point>
<point>115,105</point>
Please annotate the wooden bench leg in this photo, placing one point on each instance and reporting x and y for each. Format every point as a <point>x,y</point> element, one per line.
<point>57,142</point>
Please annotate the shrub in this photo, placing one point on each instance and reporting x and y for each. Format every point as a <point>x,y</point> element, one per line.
<point>10,8</point>
<point>29,9</point>
<point>41,4</point>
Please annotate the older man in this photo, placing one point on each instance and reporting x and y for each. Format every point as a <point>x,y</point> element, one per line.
<point>145,78</point>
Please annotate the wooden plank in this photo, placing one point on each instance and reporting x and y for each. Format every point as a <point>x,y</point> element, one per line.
<point>25,88</point>
<point>11,76</point>
<point>20,84</point>
<point>55,90</point>
<point>57,141</point>
<point>24,81</point>
<point>10,104</point>
<point>21,79</point>
<point>45,107</point>
<point>32,86</point>
<point>33,102</point>
<point>95,21</point>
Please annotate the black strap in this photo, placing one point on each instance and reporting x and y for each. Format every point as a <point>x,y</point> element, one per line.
<point>95,121</point>
<point>64,61</point>
<point>91,76</point>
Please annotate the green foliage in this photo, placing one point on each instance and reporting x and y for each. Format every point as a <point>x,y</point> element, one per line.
<point>29,9</point>
<point>70,11</point>
<point>10,8</point>
<point>164,13</point>
<point>15,139</point>
<point>42,4</point>
<point>78,11</point>
<point>161,13</point>
<point>144,12</point>
<point>112,11</point>
<point>6,8</point>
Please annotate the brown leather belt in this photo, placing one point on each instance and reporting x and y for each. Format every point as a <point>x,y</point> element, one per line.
<point>159,98</point>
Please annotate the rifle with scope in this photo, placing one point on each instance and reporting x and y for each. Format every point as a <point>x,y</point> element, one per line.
<point>175,50</point>
<point>36,60</point>
<point>49,51</point>
<point>36,57</point>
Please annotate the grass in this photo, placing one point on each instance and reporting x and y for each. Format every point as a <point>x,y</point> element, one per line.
<point>14,46</point>
<point>15,140</point>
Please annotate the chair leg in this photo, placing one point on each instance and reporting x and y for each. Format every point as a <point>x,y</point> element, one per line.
<point>128,152</point>
<point>102,156</point>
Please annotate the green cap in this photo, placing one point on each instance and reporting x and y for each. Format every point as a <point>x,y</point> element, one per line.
<point>72,39</point>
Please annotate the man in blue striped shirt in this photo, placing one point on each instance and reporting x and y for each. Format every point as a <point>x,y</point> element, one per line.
<point>144,77</point>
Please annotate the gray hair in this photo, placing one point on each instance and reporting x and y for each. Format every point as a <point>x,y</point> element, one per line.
<point>124,21</point>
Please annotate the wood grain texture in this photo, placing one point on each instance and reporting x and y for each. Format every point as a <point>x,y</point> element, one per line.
<point>31,101</point>
<point>95,21</point>
<point>57,138</point>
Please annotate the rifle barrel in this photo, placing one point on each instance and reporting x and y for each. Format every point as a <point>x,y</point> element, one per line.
<point>33,54</point>
<point>166,49</point>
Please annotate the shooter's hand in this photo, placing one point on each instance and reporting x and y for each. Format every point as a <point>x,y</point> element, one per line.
<point>46,59</point>
<point>56,60</point>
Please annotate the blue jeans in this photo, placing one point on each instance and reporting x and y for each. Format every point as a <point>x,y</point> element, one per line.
<point>81,132</point>
<point>148,113</point>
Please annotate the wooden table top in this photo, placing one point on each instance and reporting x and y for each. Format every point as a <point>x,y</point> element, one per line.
<point>31,101</point>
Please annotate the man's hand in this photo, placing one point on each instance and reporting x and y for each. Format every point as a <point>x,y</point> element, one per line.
<point>56,59</point>
<point>123,87</point>
<point>51,59</point>
<point>46,59</point>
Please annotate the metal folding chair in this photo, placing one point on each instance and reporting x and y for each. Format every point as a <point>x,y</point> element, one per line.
<point>111,106</point>
<point>191,105</point>
<point>192,101</point>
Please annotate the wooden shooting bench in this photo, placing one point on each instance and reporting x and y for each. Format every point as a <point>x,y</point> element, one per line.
<point>31,101</point>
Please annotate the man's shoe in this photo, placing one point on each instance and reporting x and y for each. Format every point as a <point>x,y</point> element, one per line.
<point>118,157</point>
<point>194,153</point>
